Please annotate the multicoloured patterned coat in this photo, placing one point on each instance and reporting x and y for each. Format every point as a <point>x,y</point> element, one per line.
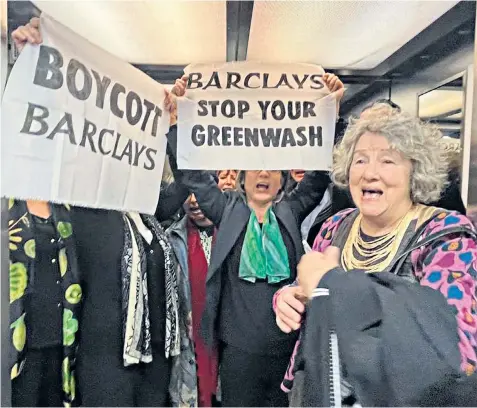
<point>448,264</point>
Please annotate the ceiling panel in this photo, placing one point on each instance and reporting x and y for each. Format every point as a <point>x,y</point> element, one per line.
<point>148,32</point>
<point>338,34</point>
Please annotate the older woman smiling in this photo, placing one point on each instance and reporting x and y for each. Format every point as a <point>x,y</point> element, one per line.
<point>391,164</point>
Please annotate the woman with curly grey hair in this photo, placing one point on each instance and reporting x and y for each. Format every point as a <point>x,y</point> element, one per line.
<point>391,164</point>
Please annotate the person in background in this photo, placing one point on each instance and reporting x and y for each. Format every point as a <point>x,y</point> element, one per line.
<point>321,212</point>
<point>258,247</point>
<point>45,303</point>
<point>196,367</point>
<point>226,179</point>
<point>391,164</point>
<point>86,257</point>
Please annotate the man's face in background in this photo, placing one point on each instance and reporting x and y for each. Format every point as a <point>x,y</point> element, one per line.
<point>193,211</point>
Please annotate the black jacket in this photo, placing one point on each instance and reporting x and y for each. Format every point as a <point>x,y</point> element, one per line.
<point>397,341</point>
<point>230,213</point>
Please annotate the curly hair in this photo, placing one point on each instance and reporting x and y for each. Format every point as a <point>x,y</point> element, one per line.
<point>415,140</point>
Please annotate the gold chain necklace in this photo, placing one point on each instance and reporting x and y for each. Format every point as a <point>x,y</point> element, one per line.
<point>378,253</point>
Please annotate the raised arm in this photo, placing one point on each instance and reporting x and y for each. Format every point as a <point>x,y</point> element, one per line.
<point>308,194</point>
<point>211,199</point>
<point>171,199</point>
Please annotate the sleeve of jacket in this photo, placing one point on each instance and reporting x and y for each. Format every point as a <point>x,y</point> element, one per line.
<point>171,199</point>
<point>211,199</point>
<point>308,194</point>
<point>450,267</point>
<point>377,317</point>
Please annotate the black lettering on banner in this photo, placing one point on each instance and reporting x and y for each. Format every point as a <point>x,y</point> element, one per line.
<point>238,136</point>
<point>89,130</point>
<point>150,153</point>
<point>32,116</point>
<point>102,85</point>
<point>213,81</point>
<point>264,106</point>
<point>138,149</point>
<point>73,67</point>
<point>251,137</point>
<point>308,109</point>
<point>127,151</point>
<point>194,78</point>
<point>115,149</point>
<point>149,107</point>
<point>68,121</point>
<point>202,108</point>
<point>265,81</point>
<point>213,135</point>
<point>198,137</point>
<point>284,81</point>
<point>243,107</point>
<point>214,106</point>
<point>101,138</point>
<point>316,79</point>
<point>233,78</point>
<point>294,114</point>
<point>226,135</point>
<point>315,135</point>
<point>270,136</point>
<point>288,138</point>
<point>298,82</point>
<point>133,119</point>
<point>155,122</point>
<point>228,113</point>
<point>302,137</point>
<point>48,73</point>
<point>249,76</point>
<point>278,105</point>
<point>115,91</point>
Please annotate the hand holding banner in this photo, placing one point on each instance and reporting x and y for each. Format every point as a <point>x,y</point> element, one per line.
<point>256,116</point>
<point>81,126</point>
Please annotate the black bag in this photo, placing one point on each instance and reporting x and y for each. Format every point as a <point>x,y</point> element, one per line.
<point>397,340</point>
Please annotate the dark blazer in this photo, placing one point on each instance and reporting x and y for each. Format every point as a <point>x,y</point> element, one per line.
<point>230,213</point>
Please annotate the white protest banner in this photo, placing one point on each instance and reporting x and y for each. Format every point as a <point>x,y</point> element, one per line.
<point>80,126</point>
<point>253,116</point>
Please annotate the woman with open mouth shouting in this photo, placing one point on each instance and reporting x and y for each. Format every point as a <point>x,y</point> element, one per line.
<point>412,327</point>
<point>258,247</point>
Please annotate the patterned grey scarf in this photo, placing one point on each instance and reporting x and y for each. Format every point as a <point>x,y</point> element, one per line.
<point>136,323</point>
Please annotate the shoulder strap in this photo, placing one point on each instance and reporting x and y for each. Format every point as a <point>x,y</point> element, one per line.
<point>415,243</point>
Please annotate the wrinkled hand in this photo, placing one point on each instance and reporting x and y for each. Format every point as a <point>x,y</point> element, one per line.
<point>314,265</point>
<point>29,33</point>
<point>336,87</point>
<point>170,105</point>
<point>290,307</point>
<point>179,88</point>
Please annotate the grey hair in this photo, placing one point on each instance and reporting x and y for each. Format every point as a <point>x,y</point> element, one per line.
<point>415,140</point>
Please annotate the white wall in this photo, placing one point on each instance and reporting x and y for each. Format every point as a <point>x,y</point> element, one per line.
<point>405,90</point>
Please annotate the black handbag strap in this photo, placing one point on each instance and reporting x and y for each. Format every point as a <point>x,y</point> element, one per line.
<point>414,243</point>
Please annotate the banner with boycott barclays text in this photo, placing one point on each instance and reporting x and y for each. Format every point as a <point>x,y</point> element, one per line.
<point>80,126</point>
<point>250,116</point>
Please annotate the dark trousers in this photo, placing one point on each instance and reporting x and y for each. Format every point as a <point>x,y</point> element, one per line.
<point>105,382</point>
<point>39,384</point>
<point>252,380</point>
